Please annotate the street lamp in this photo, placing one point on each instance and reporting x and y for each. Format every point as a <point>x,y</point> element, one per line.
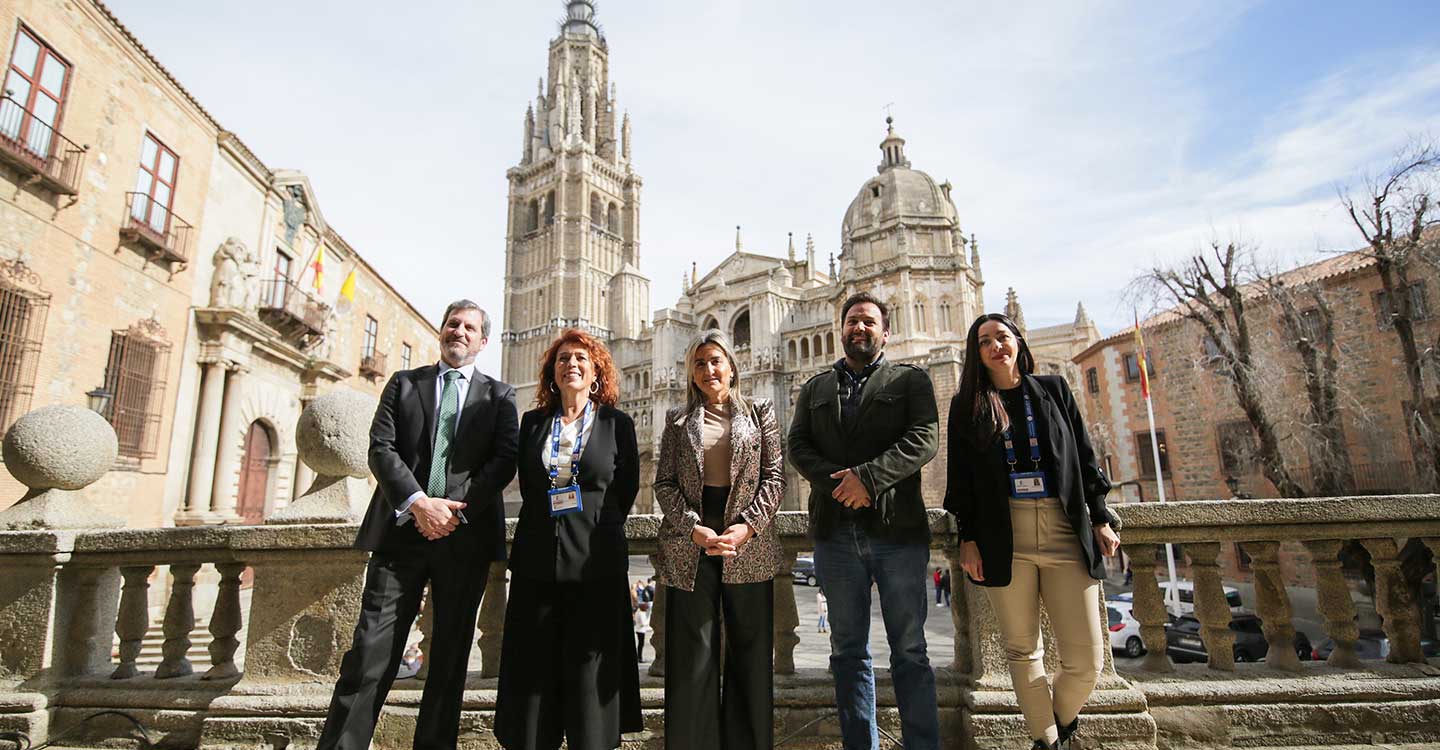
<point>1234,484</point>
<point>99,399</point>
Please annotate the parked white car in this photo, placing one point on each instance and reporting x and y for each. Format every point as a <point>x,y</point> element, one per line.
<point>1186,591</point>
<point>1124,629</point>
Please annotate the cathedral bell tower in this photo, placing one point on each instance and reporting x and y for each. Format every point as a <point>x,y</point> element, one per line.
<point>572,241</point>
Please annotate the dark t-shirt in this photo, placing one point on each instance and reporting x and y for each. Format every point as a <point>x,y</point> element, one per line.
<point>1015,407</point>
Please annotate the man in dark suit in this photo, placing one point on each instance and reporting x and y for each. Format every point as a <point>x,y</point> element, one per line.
<point>860,433</point>
<point>442,449</point>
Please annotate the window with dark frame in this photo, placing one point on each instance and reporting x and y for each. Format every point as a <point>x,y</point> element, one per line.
<point>404,356</point>
<point>155,184</point>
<point>22,328</point>
<point>135,376</point>
<point>372,332</point>
<point>278,286</point>
<point>1147,456</point>
<point>1311,326</point>
<point>40,80</point>
<point>1238,447</point>
<point>1092,380</point>
<point>1385,308</point>
<point>1132,365</point>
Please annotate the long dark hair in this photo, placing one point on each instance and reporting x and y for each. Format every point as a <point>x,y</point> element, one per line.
<point>979,400</point>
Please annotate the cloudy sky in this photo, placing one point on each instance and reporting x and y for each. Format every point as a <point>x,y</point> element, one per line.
<point>1084,140</point>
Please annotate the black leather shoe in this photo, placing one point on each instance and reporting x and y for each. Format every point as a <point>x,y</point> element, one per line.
<point>1040,745</point>
<point>1067,731</point>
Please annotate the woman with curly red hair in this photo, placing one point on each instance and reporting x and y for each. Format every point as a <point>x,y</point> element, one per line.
<point>567,663</point>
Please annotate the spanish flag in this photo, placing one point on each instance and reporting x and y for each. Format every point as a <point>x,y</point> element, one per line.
<point>1140,359</point>
<point>318,266</point>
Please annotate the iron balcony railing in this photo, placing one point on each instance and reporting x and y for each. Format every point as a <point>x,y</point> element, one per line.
<point>39,151</point>
<point>153,227</point>
<point>290,309</point>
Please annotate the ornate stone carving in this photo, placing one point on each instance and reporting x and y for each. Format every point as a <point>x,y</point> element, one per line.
<point>294,212</point>
<point>237,272</point>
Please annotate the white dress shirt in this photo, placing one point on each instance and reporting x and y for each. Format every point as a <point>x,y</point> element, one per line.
<point>568,433</point>
<point>462,389</point>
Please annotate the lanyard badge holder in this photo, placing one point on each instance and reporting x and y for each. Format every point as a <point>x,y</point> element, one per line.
<point>566,499</point>
<point>1025,483</point>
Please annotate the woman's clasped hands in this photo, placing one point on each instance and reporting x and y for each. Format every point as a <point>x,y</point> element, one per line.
<point>721,545</point>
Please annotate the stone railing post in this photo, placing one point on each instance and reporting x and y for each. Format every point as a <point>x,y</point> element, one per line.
<point>1333,602</point>
<point>492,620</point>
<point>1210,606</point>
<point>179,621</point>
<point>1149,609</point>
<point>1394,602</point>
<point>54,451</point>
<point>1272,603</point>
<point>133,618</point>
<point>657,628</point>
<point>425,623</point>
<point>787,615</point>
<point>225,623</point>
<point>963,661</point>
<point>333,437</point>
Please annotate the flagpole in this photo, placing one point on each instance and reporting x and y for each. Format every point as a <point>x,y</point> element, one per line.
<point>1174,593</point>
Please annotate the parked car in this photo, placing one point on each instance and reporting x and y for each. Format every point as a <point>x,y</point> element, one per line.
<point>1124,629</point>
<point>1183,642</point>
<point>804,571</point>
<point>1372,644</point>
<point>1186,594</point>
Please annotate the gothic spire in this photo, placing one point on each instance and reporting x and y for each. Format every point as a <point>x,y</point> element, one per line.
<point>580,18</point>
<point>739,244</point>
<point>791,235</point>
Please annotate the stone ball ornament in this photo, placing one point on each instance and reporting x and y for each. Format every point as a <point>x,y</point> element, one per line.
<point>60,447</point>
<point>333,434</point>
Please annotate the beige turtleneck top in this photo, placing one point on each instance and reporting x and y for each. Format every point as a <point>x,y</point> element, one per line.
<point>715,442</point>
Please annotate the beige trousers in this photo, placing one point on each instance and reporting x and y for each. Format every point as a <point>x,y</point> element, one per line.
<point>1048,566</point>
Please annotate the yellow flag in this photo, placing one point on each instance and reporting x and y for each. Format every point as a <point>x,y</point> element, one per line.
<point>319,268</point>
<point>347,292</point>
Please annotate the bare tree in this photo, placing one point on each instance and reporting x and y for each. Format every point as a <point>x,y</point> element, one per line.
<point>1394,215</point>
<point>1312,334</point>
<point>1208,288</point>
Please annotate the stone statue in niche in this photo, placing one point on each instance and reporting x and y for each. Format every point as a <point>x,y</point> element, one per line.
<point>329,342</point>
<point>294,212</point>
<point>236,269</point>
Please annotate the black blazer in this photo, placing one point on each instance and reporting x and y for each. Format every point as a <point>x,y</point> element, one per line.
<point>977,490</point>
<point>895,432</point>
<point>588,544</point>
<point>482,458</point>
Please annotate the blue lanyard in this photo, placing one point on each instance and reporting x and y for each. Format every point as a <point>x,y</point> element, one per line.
<point>1009,437</point>
<point>574,455</point>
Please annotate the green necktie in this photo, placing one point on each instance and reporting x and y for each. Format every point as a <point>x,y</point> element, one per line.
<point>444,431</point>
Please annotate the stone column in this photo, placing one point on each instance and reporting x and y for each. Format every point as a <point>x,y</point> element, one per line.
<point>1273,605</point>
<point>1149,609</point>
<point>227,460</point>
<point>133,619</point>
<point>787,615</point>
<point>1211,609</point>
<point>1334,602</point>
<point>963,661</point>
<point>657,625</point>
<point>202,455</point>
<point>492,620</point>
<point>1394,602</point>
<point>225,623</point>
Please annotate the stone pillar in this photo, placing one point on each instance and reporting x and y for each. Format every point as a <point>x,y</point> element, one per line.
<point>787,615</point>
<point>1149,609</point>
<point>133,619</point>
<point>202,455</point>
<point>332,437</point>
<point>657,625</point>
<point>1394,602</point>
<point>54,451</point>
<point>492,620</point>
<point>227,459</point>
<point>225,623</point>
<point>304,606</point>
<point>1273,605</point>
<point>425,623</point>
<point>963,662</point>
<point>179,621</point>
<point>1210,606</point>
<point>1334,602</point>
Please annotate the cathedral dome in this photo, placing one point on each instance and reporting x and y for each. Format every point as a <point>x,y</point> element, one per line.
<point>897,192</point>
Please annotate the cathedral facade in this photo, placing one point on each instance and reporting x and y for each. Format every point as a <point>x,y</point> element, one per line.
<point>573,259</point>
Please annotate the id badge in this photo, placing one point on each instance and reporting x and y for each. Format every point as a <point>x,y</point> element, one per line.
<point>565,500</point>
<point>1028,484</point>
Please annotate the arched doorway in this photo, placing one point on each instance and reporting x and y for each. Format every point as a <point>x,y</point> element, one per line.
<point>255,473</point>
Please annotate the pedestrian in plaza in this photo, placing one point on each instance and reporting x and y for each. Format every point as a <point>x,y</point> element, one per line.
<point>719,481</point>
<point>568,664</point>
<point>822,611</point>
<point>945,585</point>
<point>860,432</point>
<point>1029,501</point>
<point>642,627</point>
<point>442,449</point>
<point>936,578</point>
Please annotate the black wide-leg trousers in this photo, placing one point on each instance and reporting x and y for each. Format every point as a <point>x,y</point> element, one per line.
<point>700,713</point>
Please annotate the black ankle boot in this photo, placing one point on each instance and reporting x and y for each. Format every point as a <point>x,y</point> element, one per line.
<point>1040,745</point>
<point>1066,732</point>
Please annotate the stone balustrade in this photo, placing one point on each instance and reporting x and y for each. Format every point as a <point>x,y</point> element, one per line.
<point>1320,527</point>
<point>76,604</point>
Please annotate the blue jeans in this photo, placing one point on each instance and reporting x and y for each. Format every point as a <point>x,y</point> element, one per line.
<point>847,563</point>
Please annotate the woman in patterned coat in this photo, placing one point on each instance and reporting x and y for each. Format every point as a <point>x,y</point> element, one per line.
<point>719,481</point>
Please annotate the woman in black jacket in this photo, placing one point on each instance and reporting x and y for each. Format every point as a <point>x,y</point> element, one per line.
<point>567,662</point>
<point>1029,501</point>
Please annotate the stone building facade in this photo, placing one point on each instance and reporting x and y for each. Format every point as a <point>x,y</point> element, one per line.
<point>141,256</point>
<point>572,259</point>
